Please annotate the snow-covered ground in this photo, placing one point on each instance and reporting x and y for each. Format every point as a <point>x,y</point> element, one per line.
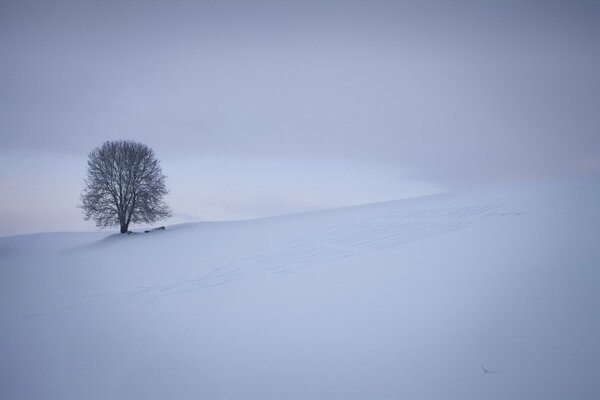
<point>397,300</point>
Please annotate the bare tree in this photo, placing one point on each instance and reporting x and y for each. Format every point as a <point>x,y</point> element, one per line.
<point>124,185</point>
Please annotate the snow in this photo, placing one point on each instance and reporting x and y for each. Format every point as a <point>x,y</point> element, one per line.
<point>405,299</point>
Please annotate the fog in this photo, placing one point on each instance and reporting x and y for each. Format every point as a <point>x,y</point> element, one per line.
<point>260,108</point>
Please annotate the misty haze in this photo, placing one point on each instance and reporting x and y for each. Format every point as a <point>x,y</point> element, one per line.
<point>299,200</point>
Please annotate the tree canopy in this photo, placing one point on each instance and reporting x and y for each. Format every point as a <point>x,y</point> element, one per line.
<point>124,185</point>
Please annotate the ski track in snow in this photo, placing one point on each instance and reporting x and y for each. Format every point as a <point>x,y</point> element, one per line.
<point>375,233</point>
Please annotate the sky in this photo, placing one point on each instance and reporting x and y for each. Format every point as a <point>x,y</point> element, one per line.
<point>260,108</point>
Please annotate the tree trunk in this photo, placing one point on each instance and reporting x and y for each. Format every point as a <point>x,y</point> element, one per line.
<point>124,228</point>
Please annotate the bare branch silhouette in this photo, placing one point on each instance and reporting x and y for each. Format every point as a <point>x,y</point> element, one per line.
<point>124,185</point>
<point>487,371</point>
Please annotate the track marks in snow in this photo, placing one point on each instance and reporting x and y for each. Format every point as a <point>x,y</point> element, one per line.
<point>298,256</point>
<point>395,229</point>
<point>386,230</point>
<point>343,240</point>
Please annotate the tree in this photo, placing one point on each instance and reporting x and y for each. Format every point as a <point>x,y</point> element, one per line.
<point>124,185</point>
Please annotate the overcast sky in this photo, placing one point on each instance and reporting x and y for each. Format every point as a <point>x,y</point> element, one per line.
<point>265,107</point>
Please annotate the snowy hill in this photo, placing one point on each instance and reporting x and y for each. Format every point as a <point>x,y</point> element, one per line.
<point>412,299</point>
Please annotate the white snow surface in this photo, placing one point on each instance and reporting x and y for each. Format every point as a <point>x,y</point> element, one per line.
<point>408,299</point>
